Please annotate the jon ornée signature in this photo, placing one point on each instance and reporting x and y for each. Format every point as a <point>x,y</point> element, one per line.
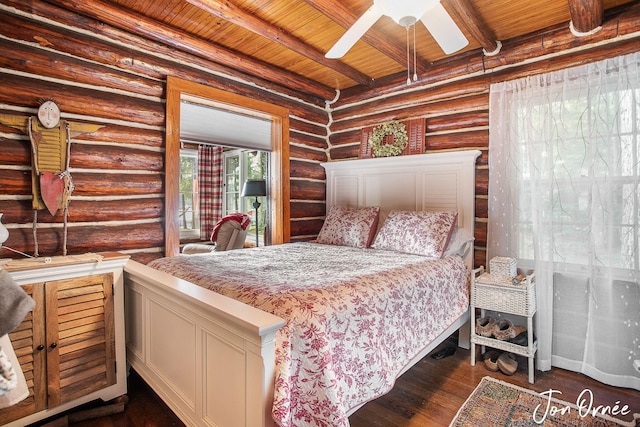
<point>584,406</point>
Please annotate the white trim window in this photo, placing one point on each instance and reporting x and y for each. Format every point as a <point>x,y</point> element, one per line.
<point>240,165</point>
<point>189,210</point>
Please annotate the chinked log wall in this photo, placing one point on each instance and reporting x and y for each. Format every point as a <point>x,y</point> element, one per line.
<point>106,76</point>
<point>454,95</point>
<point>102,75</point>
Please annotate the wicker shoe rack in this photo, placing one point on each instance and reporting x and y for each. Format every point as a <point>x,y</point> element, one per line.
<point>487,293</point>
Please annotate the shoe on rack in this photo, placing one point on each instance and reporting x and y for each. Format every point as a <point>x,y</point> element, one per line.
<point>507,363</point>
<point>485,326</point>
<point>490,358</point>
<point>504,330</point>
<point>521,337</point>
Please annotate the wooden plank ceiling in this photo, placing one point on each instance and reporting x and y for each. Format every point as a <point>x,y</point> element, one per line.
<point>287,39</point>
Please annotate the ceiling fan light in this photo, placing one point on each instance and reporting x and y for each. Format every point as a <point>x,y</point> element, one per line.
<point>404,12</point>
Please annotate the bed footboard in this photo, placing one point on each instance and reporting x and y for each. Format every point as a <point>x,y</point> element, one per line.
<point>210,358</point>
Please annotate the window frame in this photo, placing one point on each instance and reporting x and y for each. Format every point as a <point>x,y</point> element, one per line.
<point>194,232</point>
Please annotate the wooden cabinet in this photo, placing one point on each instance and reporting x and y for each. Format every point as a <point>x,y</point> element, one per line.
<point>71,346</point>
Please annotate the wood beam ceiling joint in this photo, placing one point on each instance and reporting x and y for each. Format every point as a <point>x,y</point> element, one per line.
<point>475,26</point>
<point>233,13</point>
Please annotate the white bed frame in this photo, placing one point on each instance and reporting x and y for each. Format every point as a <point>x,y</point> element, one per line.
<point>211,358</point>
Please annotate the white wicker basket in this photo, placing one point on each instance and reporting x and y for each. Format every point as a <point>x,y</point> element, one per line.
<point>503,269</point>
<point>514,299</point>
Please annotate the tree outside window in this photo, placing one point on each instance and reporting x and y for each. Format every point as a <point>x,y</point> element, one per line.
<point>189,211</point>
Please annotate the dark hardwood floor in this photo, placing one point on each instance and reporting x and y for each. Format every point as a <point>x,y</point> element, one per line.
<point>429,394</point>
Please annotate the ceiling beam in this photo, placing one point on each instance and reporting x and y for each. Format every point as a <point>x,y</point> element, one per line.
<point>586,15</point>
<point>338,12</point>
<point>143,26</point>
<point>469,18</point>
<point>233,13</point>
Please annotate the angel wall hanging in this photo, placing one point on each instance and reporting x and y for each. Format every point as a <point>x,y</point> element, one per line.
<point>50,139</point>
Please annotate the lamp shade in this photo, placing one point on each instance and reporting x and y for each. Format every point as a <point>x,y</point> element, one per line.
<point>254,187</point>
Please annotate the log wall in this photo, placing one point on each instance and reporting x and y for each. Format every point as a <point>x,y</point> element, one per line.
<point>101,75</point>
<point>453,95</point>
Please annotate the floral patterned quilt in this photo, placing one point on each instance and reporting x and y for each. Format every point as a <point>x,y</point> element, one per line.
<point>354,318</point>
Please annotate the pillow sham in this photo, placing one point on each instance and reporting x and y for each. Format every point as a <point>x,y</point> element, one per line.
<point>459,243</point>
<point>420,233</point>
<point>345,226</point>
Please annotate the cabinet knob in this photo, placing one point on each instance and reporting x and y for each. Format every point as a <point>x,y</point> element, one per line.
<point>40,347</point>
<point>53,345</point>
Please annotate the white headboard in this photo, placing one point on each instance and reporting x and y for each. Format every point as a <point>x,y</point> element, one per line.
<point>424,182</point>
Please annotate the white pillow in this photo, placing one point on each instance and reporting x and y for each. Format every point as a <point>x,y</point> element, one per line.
<point>459,243</point>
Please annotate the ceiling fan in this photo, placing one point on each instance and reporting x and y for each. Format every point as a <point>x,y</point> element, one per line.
<point>406,13</point>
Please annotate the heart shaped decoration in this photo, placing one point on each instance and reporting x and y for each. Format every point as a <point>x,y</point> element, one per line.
<point>51,190</point>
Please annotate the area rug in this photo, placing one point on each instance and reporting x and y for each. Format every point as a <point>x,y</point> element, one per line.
<point>497,403</point>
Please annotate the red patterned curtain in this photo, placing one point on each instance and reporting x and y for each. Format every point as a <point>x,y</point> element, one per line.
<point>210,180</point>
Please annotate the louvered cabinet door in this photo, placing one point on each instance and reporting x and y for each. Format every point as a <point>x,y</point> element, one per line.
<point>80,337</point>
<point>28,341</point>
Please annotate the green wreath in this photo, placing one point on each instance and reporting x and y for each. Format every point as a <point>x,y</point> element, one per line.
<point>377,139</point>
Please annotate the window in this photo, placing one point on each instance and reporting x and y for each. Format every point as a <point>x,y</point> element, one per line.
<point>232,179</point>
<point>590,175</point>
<point>240,165</point>
<point>189,211</point>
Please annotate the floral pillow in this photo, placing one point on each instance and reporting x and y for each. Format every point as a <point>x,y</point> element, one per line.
<point>346,226</point>
<point>420,233</point>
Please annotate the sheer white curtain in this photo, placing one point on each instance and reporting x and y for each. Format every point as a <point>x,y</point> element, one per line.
<point>564,198</point>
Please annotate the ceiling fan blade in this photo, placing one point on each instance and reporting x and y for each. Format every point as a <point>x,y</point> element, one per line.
<point>354,33</point>
<point>443,29</point>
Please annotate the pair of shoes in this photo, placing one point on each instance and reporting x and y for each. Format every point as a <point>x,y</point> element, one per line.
<point>490,358</point>
<point>504,362</point>
<point>507,363</point>
<point>484,326</point>
<point>522,337</point>
<point>504,330</point>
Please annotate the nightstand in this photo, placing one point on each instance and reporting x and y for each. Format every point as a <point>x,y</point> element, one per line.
<point>505,298</point>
